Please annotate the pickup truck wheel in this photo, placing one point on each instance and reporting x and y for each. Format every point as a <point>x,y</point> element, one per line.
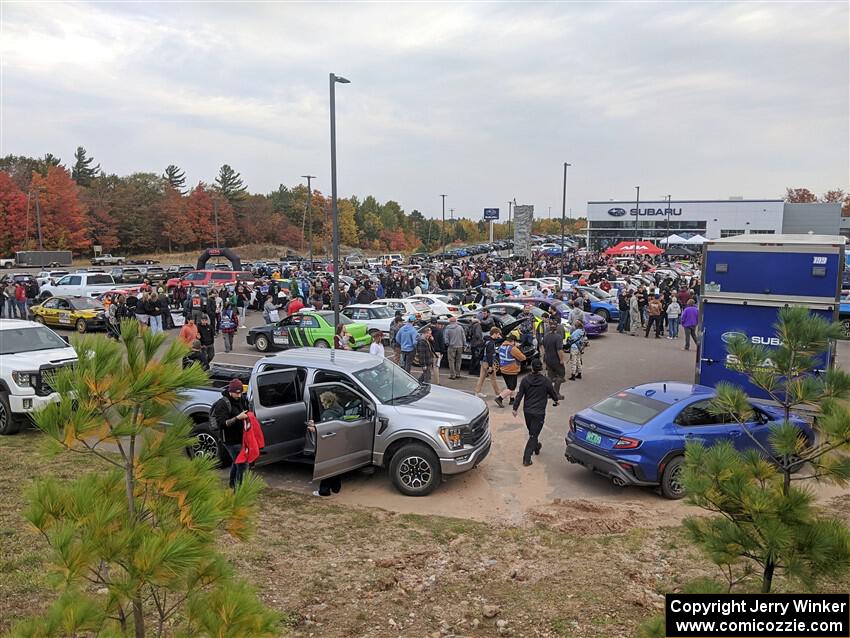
<point>8,424</point>
<point>206,444</point>
<point>80,325</point>
<point>671,480</point>
<point>261,343</point>
<point>415,470</point>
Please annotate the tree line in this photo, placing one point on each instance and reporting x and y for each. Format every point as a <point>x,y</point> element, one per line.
<point>84,205</point>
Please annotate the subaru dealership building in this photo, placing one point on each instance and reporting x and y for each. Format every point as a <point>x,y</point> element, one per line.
<point>612,221</point>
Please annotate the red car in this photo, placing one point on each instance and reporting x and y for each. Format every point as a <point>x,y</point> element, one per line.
<point>209,278</point>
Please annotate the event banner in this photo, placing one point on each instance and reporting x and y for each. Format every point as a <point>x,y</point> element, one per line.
<point>757,615</point>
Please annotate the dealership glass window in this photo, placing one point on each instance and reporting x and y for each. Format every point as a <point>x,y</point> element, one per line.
<point>762,232</point>
<point>730,232</point>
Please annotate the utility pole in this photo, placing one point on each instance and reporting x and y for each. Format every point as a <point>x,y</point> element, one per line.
<point>38,219</point>
<point>637,214</point>
<point>333,79</point>
<point>308,211</point>
<point>215,213</point>
<point>563,224</point>
<point>509,218</point>
<point>443,227</point>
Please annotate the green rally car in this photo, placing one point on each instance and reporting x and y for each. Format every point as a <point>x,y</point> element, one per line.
<point>306,328</point>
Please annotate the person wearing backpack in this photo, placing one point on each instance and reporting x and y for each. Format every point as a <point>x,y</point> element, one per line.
<point>510,357</point>
<point>576,342</point>
<point>229,325</point>
<point>488,363</point>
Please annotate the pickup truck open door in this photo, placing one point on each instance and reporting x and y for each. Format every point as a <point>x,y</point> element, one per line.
<point>346,436</point>
<point>277,397</point>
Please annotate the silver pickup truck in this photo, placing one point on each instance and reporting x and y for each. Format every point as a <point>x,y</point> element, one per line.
<point>385,417</point>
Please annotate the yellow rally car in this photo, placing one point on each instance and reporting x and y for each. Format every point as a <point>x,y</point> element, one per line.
<point>80,313</point>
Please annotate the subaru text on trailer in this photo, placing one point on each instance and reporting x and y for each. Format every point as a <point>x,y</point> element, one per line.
<point>28,352</point>
<point>420,432</point>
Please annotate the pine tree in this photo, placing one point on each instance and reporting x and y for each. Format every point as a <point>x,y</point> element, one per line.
<point>766,520</point>
<point>176,178</point>
<point>229,182</point>
<point>83,172</point>
<point>133,542</point>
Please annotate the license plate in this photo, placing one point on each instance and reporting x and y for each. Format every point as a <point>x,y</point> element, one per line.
<point>281,340</point>
<point>593,437</point>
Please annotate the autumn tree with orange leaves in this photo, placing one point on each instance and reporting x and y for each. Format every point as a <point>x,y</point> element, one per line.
<point>13,214</point>
<point>133,542</point>
<point>64,223</point>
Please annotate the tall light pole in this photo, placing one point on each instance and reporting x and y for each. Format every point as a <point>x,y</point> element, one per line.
<point>38,218</point>
<point>637,214</point>
<point>215,214</point>
<point>332,82</point>
<point>309,211</point>
<point>443,227</point>
<point>563,224</point>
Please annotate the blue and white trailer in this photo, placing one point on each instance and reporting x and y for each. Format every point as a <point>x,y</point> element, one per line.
<point>747,279</point>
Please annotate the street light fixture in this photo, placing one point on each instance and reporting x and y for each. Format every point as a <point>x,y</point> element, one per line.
<point>563,222</point>
<point>309,209</point>
<point>333,80</point>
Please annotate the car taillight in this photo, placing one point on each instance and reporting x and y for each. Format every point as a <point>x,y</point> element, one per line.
<point>452,308</point>
<point>625,443</point>
<point>572,424</point>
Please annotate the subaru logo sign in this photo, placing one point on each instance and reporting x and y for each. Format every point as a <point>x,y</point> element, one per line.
<point>616,212</point>
<point>727,337</point>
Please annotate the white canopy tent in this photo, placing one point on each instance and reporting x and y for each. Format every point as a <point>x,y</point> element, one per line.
<point>673,239</point>
<point>696,239</point>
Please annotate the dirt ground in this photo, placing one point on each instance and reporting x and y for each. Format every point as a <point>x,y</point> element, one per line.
<point>548,550</point>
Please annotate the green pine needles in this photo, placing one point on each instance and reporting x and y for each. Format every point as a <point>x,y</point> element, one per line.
<point>133,543</point>
<point>768,520</point>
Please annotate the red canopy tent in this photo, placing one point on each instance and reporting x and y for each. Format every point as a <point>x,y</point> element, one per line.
<point>635,247</point>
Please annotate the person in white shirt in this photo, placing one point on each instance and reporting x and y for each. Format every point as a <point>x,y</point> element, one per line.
<point>376,348</point>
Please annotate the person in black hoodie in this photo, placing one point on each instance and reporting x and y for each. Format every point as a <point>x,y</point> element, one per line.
<point>228,416</point>
<point>206,335</point>
<point>536,390</point>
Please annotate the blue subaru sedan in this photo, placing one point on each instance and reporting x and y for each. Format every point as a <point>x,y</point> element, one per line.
<point>637,436</point>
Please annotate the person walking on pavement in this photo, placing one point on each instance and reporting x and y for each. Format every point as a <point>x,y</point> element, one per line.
<point>488,363</point>
<point>654,308</point>
<point>406,338</point>
<point>536,390</point>
<point>229,324</point>
<point>207,337</point>
<point>673,312</point>
<point>634,315</point>
<point>690,319</point>
<point>454,337</point>
<point>425,352</point>
<point>476,346</point>
<point>553,354</point>
<point>576,342</point>
<point>439,347</point>
<point>510,357</point>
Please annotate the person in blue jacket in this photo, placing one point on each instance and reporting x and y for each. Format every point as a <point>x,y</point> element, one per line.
<point>406,337</point>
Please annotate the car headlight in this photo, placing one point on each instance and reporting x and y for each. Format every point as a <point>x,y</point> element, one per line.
<point>25,379</point>
<point>452,437</point>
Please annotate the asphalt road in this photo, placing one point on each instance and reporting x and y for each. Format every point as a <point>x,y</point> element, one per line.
<point>501,488</point>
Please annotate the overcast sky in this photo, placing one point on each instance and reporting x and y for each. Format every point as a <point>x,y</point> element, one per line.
<point>481,101</point>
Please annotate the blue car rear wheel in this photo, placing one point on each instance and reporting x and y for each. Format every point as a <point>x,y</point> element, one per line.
<point>671,481</point>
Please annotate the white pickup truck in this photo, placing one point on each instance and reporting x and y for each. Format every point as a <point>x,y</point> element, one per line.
<point>7,263</point>
<point>79,284</point>
<point>29,351</point>
<point>107,260</point>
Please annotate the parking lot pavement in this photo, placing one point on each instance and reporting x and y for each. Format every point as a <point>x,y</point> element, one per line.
<point>501,488</point>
